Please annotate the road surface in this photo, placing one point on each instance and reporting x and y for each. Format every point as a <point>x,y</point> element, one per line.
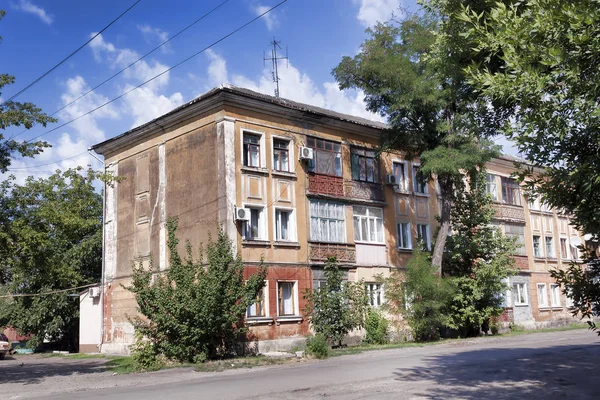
<point>541,365</point>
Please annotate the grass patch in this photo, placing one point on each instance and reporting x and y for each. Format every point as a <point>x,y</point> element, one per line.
<point>522,331</point>
<point>73,356</point>
<point>121,364</point>
<point>244,362</point>
<point>344,351</point>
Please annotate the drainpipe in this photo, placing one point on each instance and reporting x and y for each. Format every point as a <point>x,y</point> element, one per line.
<point>103,248</point>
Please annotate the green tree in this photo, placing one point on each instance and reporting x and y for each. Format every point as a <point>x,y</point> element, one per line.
<point>545,81</point>
<point>412,72</point>
<point>18,114</point>
<point>337,307</point>
<point>478,258</point>
<point>50,239</point>
<point>195,309</point>
<point>420,296</point>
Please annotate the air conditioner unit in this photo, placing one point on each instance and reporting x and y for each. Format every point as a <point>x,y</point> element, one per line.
<point>242,214</point>
<point>94,292</point>
<point>306,153</point>
<point>391,179</point>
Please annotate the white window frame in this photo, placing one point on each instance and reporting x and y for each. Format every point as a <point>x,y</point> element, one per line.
<point>555,295</point>
<point>265,290</point>
<point>535,204</point>
<point>291,160</point>
<point>494,195</point>
<point>294,298</point>
<point>292,231</point>
<point>569,303</point>
<point>549,254</point>
<point>370,289</point>
<point>428,235</point>
<point>409,237</point>
<point>263,234</point>
<point>507,295</point>
<point>543,299</point>
<point>404,186</point>
<point>567,254</point>
<point>369,218</point>
<point>542,249</point>
<point>262,144</point>
<point>343,221</point>
<point>521,288</point>
<point>414,179</point>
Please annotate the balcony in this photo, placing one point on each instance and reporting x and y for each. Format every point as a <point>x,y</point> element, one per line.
<point>363,190</point>
<point>326,184</point>
<point>345,253</point>
<point>509,213</point>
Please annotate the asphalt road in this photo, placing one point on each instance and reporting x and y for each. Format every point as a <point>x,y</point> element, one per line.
<point>537,366</point>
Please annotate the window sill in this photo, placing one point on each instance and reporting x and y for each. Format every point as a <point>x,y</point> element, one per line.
<point>259,320</point>
<point>521,305</point>
<point>289,318</point>
<point>257,170</point>
<point>286,174</point>
<point>417,194</point>
<point>553,308</point>
<point>285,244</point>
<point>256,243</point>
<point>512,205</point>
<point>401,250</point>
<point>370,243</point>
<point>402,191</point>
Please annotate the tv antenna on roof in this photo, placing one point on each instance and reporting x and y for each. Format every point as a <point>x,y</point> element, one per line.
<point>274,59</point>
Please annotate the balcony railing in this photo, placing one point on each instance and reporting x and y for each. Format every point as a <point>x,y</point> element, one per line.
<point>510,213</point>
<point>363,190</point>
<point>345,253</point>
<point>338,187</point>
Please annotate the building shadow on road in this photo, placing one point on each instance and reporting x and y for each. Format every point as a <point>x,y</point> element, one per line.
<point>29,370</point>
<point>510,373</point>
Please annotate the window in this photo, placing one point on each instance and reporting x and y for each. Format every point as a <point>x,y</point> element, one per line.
<point>281,155</point>
<point>368,224</point>
<point>510,191</point>
<point>542,295</point>
<point>286,298</point>
<point>517,232</point>
<point>490,186</point>
<point>419,181</point>
<point>555,295</point>
<point>284,227</point>
<point>258,308</point>
<point>327,221</point>
<point>251,150</point>
<point>404,235</point>
<point>520,294</point>
<point>534,203</point>
<point>399,169</point>
<point>549,246</point>
<point>254,229</point>
<point>563,248</point>
<point>375,293</point>
<point>423,235</point>
<point>569,303</point>
<point>546,207</point>
<point>537,250</point>
<point>328,157</point>
<point>365,167</point>
<point>575,252</point>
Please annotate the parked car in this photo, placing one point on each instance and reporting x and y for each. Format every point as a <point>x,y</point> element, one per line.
<point>4,346</point>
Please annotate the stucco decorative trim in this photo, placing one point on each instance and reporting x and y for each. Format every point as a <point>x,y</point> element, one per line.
<point>110,224</point>
<point>227,184</point>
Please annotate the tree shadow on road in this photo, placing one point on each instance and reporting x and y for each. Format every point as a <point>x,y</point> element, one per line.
<point>29,370</point>
<point>548,373</point>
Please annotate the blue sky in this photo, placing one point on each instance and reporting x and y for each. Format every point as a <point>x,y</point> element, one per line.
<point>39,33</point>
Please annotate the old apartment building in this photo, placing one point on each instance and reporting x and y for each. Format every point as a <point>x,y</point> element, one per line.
<point>294,183</point>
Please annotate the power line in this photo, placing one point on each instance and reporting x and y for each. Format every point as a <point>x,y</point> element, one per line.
<point>45,165</point>
<point>132,64</point>
<point>70,55</point>
<point>46,293</point>
<point>162,73</point>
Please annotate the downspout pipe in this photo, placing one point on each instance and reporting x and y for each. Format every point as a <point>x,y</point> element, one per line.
<point>103,249</point>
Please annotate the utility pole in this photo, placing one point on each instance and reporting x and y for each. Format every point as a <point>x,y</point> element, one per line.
<point>274,59</point>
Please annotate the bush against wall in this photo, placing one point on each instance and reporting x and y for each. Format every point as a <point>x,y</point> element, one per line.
<point>336,307</point>
<point>195,310</point>
<point>376,327</point>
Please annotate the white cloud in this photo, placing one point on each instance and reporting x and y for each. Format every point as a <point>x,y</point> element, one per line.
<point>270,18</point>
<point>156,36</point>
<point>148,101</point>
<point>29,7</point>
<point>373,11</point>
<point>297,86</point>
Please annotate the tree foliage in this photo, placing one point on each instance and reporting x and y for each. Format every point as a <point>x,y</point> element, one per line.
<point>478,258</point>
<point>413,73</point>
<point>195,309</point>
<point>50,239</point>
<point>18,114</point>
<point>337,307</point>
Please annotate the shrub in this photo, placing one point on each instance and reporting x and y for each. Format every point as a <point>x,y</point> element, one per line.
<point>317,346</point>
<point>376,326</point>
<point>144,355</point>
<point>337,307</point>
<point>194,311</point>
